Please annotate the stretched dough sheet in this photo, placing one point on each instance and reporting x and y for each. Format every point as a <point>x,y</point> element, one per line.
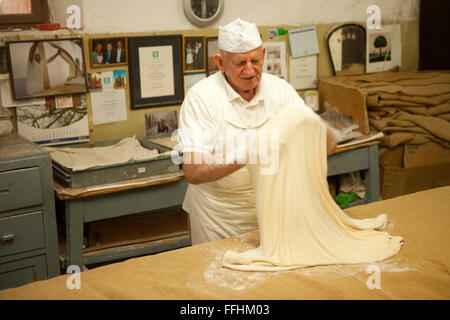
<point>300,223</point>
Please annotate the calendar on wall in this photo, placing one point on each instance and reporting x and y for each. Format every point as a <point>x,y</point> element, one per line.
<point>303,42</point>
<point>53,126</point>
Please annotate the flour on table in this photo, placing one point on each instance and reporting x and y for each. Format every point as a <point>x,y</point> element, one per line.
<point>218,280</point>
<point>218,276</point>
<point>391,265</point>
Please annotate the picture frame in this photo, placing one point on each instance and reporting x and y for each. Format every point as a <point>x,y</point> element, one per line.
<point>212,48</point>
<point>162,123</point>
<point>156,70</point>
<point>103,52</point>
<point>41,68</point>
<point>194,55</point>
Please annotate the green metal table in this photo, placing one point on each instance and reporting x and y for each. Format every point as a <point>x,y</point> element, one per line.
<point>358,158</point>
<point>117,202</point>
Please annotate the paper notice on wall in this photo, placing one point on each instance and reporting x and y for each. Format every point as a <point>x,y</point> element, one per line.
<point>192,78</point>
<point>383,48</point>
<point>303,72</point>
<point>108,106</point>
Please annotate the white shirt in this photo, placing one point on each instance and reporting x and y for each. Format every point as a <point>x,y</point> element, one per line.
<point>119,52</point>
<point>226,207</point>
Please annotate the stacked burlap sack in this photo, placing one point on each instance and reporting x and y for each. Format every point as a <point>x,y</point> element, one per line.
<point>409,107</point>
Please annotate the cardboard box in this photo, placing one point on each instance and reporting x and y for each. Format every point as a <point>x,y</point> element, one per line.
<point>411,156</point>
<point>391,157</point>
<point>349,101</point>
<point>399,181</point>
<point>430,153</point>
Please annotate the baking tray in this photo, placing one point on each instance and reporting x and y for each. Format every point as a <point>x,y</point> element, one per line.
<point>117,172</point>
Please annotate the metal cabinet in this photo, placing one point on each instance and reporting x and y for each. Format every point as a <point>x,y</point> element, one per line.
<point>28,234</point>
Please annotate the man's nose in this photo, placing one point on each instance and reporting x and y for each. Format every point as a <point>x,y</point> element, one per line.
<point>248,68</point>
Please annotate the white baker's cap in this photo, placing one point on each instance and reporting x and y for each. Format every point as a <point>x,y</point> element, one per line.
<point>239,36</point>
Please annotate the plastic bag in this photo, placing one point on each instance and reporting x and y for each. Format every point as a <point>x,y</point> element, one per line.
<point>341,125</point>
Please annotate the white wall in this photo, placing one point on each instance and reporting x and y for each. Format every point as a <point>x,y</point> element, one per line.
<point>58,8</point>
<point>110,16</point>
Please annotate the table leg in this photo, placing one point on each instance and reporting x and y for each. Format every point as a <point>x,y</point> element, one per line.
<point>74,232</point>
<point>372,176</point>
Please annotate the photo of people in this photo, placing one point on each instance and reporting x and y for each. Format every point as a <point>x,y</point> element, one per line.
<point>194,54</point>
<point>108,51</point>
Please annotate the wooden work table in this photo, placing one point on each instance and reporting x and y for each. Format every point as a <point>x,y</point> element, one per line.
<point>418,271</point>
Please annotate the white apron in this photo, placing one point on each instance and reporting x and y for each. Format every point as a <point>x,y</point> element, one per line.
<point>226,207</point>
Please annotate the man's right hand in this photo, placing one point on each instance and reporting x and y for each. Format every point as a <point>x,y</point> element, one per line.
<point>197,169</point>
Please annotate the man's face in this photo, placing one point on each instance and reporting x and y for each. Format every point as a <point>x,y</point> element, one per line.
<point>243,70</point>
<point>109,47</point>
<point>119,44</point>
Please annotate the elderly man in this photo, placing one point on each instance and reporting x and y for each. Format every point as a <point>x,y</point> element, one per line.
<point>220,198</point>
<point>118,54</point>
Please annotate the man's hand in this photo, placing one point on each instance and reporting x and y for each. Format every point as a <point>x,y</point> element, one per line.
<point>201,172</point>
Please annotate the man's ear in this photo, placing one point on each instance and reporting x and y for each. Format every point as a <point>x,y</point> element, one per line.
<point>218,59</point>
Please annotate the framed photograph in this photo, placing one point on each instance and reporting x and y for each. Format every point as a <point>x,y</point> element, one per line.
<point>156,70</point>
<point>108,51</point>
<point>212,48</point>
<point>194,54</point>
<point>161,123</point>
<point>41,68</point>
